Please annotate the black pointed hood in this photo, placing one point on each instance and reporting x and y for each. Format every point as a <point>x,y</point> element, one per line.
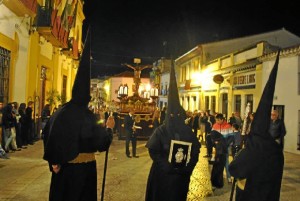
<point>261,121</point>
<point>81,87</point>
<point>175,113</point>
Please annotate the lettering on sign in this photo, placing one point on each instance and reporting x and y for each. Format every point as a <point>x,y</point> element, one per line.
<point>245,79</point>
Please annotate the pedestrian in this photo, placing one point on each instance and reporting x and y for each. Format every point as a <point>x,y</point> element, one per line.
<point>162,115</point>
<point>220,144</point>
<point>237,139</point>
<point>195,124</point>
<point>130,134</point>
<point>23,125</point>
<point>46,113</point>
<point>71,138</point>
<point>225,129</point>
<point>9,122</point>
<point>277,128</point>
<point>29,122</point>
<point>156,118</point>
<point>258,167</point>
<point>208,142</point>
<point>174,149</point>
<point>110,123</point>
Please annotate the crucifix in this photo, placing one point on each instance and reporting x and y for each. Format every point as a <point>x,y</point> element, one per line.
<point>137,75</point>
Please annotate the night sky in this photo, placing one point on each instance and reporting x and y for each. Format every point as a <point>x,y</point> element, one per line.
<point>123,30</point>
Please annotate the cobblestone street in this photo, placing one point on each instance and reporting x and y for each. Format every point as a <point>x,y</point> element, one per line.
<point>25,176</point>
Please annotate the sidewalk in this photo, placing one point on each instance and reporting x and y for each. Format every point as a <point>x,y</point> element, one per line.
<point>26,177</point>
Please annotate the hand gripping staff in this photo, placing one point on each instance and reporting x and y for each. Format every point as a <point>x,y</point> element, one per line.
<point>247,110</point>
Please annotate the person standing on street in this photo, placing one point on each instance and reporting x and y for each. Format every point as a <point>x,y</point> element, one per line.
<point>71,137</point>
<point>277,128</point>
<point>130,134</point>
<point>29,122</point>
<point>174,150</point>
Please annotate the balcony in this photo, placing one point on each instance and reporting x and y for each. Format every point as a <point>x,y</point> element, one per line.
<point>51,27</point>
<point>72,50</point>
<point>22,7</point>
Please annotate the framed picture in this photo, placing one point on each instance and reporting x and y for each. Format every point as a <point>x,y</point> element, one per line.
<point>180,153</point>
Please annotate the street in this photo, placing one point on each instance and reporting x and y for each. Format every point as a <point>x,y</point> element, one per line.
<point>26,177</point>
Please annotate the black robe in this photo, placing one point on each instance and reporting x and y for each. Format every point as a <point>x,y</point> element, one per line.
<point>219,142</point>
<point>72,130</point>
<point>166,183</point>
<point>261,163</point>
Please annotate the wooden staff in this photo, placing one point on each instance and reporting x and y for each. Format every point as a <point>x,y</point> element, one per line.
<point>104,175</point>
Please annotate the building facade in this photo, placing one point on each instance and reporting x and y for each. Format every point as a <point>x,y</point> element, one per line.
<point>40,45</point>
<point>226,83</point>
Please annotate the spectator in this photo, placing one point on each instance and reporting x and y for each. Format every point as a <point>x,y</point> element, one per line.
<point>156,118</point>
<point>277,128</point>
<point>23,125</point>
<point>45,115</point>
<point>110,124</point>
<point>225,129</point>
<point>195,123</point>
<point>219,142</point>
<point>29,123</point>
<point>8,121</point>
<point>162,115</point>
<point>209,146</point>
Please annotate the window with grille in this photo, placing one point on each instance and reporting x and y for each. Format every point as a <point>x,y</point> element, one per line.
<point>213,104</point>
<point>206,102</point>
<point>4,74</point>
<point>237,103</point>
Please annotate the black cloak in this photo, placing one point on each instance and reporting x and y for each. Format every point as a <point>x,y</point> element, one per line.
<point>261,161</point>
<point>73,130</point>
<point>166,182</point>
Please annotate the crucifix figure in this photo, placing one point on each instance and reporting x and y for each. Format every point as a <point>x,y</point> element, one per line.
<point>137,76</point>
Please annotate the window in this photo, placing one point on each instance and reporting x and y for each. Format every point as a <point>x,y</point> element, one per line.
<point>64,88</point>
<point>225,104</point>
<point>249,99</point>
<point>237,103</point>
<point>206,102</point>
<point>213,104</point>
<point>4,74</point>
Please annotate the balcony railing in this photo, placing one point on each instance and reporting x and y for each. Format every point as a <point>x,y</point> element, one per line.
<point>55,29</point>
<point>22,7</point>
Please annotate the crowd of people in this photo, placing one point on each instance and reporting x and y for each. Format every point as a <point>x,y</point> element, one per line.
<point>17,127</point>
<point>224,138</point>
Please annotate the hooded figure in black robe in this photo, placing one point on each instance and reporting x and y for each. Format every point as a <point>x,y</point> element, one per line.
<point>220,144</point>
<point>71,137</point>
<point>170,181</point>
<point>258,167</point>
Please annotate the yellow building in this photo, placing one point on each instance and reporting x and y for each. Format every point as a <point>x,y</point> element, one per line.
<point>40,48</point>
<point>224,76</point>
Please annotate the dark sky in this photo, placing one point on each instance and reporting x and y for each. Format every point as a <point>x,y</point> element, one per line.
<point>127,29</point>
